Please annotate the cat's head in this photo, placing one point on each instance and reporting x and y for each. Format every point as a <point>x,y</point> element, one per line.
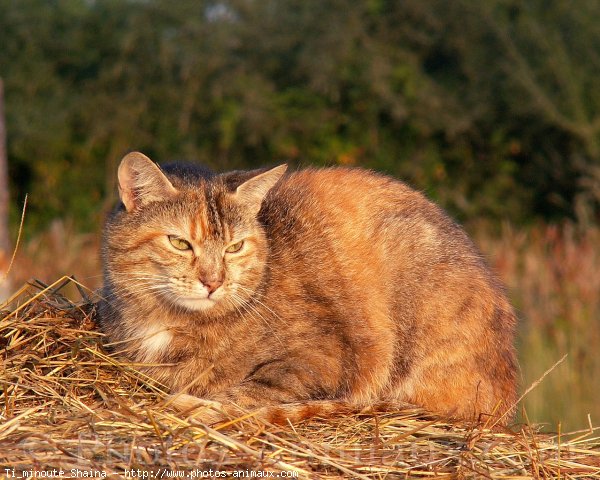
<point>191,246</point>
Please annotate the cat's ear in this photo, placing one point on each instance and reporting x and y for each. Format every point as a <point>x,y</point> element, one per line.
<point>252,192</point>
<point>142,182</point>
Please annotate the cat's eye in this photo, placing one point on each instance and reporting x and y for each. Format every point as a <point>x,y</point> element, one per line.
<point>179,243</point>
<point>235,247</point>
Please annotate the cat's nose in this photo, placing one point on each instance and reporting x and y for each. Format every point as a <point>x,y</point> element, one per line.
<point>212,284</point>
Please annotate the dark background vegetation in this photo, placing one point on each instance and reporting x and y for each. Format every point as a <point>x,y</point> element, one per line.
<point>492,108</point>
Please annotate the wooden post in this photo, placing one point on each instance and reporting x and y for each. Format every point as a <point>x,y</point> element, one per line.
<point>5,243</point>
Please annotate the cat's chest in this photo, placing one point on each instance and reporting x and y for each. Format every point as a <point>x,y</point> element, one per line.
<point>201,364</point>
<point>162,341</point>
<point>156,341</point>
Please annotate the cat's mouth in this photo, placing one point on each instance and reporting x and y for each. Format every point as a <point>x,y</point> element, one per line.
<point>196,303</point>
<point>194,297</point>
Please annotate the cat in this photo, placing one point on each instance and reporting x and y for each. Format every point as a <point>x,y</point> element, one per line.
<point>302,293</point>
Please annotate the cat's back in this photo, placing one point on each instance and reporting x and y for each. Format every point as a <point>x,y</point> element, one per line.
<point>364,210</point>
<point>340,188</point>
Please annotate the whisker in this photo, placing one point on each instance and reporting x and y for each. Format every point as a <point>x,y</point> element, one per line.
<point>257,300</point>
<point>247,306</point>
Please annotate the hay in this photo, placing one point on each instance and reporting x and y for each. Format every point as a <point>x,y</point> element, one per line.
<point>67,405</point>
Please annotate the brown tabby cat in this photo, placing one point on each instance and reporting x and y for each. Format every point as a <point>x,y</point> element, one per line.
<point>301,293</point>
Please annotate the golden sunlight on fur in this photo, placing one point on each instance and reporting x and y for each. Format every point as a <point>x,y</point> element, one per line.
<point>302,293</point>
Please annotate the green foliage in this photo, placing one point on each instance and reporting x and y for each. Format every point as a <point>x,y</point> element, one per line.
<point>490,107</point>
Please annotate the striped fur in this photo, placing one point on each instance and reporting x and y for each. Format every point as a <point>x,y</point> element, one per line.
<point>349,289</point>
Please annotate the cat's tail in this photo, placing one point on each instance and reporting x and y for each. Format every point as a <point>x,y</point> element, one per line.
<point>209,411</point>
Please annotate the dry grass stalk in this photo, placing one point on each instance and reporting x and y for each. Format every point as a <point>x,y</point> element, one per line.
<point>66,404</point>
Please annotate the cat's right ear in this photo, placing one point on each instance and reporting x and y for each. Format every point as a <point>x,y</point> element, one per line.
<point>252,192</point>
<point>142,182</point>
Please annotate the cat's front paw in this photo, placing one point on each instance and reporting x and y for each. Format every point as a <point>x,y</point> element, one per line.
<point>200,409</point>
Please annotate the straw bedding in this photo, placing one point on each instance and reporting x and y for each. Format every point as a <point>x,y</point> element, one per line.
<point>67,409</point>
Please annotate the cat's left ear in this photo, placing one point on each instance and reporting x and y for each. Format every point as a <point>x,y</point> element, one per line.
<point>142,182</point>
<point>252,192</point>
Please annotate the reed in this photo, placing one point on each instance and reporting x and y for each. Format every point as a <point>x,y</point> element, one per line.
<point>553,276</point>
